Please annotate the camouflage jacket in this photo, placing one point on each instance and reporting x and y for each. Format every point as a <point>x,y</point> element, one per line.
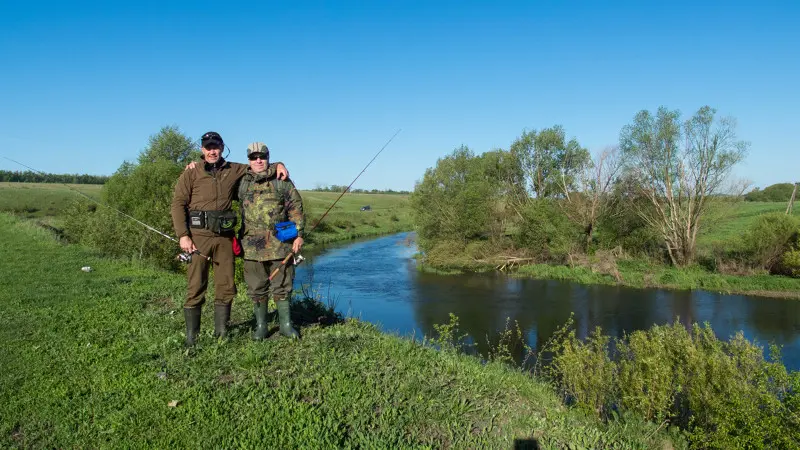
<point>265,202</point>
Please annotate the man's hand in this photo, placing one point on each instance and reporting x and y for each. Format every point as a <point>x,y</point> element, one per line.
<point>297,245</point>
<point>281,171</point>
<point>187,245</point>
<point>191,165</point>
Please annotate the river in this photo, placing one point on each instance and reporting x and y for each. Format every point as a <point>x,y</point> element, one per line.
<point>377,281</point>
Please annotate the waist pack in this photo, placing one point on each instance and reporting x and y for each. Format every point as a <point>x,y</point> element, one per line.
<point>219,222</point>
<point>285,231</point>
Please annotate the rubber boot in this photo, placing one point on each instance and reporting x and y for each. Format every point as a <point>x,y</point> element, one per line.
<point>260,311</point>
<point>285,320</point>
<point>222,313</point>
<point>192,317</point>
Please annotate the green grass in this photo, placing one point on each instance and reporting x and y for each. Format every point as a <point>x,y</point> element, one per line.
<point>643,274</point>
<point>730,221</point>
<point>96,360</point>
<point>38,200</point>
<point>390,212</point>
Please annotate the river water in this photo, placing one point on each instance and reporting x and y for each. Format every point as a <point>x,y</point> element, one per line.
<point>377,281</point>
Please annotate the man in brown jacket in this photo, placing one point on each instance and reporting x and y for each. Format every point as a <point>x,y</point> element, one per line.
<point>203,221</point>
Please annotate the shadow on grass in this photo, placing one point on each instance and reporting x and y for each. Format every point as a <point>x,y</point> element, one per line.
<point>306,312</point>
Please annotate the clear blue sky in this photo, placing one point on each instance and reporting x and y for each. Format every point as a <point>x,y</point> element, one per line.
<point>325,84</point>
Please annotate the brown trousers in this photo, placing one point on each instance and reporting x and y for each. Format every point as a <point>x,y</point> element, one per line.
<point>221,252</point>
<point>256,275</point>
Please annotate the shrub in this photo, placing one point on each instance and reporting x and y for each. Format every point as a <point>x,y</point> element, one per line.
<point>723,394</point>
<point>142,190</point>
<point>547,232</point>
<point>767,239</point>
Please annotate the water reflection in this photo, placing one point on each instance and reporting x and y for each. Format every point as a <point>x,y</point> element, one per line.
<point>377,281</point>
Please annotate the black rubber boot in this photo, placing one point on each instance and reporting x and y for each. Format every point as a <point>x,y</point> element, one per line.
<point>192,317</point>
<point>222,313</point>
<point>285,320</point>
<point>260,311</point>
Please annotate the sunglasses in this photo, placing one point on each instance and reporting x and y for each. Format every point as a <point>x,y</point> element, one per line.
<point>256,156</point>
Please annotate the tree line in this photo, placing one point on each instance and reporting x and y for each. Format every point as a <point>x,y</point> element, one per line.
<point>780,192</point>
<point>36,177</point>
<point>548,199</point>
<point>340,188</point>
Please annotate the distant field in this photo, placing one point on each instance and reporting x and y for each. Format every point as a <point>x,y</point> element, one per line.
<point>36,200</point>
<point>389,212</point>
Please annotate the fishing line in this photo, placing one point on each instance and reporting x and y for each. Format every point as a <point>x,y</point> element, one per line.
<point>183,256</point>
<point>285,260</point>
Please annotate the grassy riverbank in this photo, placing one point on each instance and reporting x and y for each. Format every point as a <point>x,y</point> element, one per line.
<point>605,268</point>
<point>96,360</point>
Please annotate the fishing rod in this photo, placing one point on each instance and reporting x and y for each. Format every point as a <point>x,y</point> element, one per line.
<point>183,257</point>
<point>285,260</point>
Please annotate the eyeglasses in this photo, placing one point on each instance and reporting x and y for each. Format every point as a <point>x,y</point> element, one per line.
<point>256,156</point>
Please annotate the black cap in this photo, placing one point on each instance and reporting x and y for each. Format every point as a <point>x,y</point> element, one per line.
<point>211,138</point>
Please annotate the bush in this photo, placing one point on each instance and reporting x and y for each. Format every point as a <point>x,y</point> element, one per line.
<point>547,232</point>
<point>141,190</point>
<point>723,394</point>
<point>767,239</point>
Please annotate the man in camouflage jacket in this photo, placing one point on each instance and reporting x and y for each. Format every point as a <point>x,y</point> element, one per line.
<point>265,202</point>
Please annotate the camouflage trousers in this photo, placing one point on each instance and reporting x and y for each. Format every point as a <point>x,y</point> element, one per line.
<point>220,250</point>
<point>256,275</point>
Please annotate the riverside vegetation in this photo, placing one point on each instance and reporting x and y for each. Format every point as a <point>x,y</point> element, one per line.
<point>657,210</point>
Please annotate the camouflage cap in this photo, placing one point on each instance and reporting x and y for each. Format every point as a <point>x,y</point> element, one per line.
<point>257,147</point>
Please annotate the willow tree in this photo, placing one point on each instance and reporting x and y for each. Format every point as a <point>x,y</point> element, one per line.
<point>587,192</point>
<point>677,168</point>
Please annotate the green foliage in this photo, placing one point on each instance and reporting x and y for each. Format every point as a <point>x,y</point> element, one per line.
<point>768,238</point>
<point>623,227</point>
<point>723,394</point>
<point>546,231</point>
<point>584,372</point>
<point>455,200</point>
<point>780,192</point>
<point>549,162</point>
<point>790,262</point>
<point>169,144</point>
<point>678,168</point>
<point>143,191</point>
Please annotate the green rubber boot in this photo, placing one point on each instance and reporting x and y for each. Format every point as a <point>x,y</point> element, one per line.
<point>222,313</point>
<point>192,317</point>
<point>260,311</point>
<point>285,320</point>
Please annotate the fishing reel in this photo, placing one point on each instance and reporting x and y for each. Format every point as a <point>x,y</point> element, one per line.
<point>184,257</point>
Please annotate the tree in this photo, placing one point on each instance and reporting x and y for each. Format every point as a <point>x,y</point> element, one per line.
<point>780,192</point>
<point>142,190</point>
<point>170,144</point>
<point>677,168</point>
<point>587,195</point>
<point>548,159</point>
<point>455,200</point>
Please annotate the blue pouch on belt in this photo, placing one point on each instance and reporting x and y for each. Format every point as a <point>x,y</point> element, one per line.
<point>285,231</point>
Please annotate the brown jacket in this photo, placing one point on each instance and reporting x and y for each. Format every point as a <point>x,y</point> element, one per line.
<point>204,189</point>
